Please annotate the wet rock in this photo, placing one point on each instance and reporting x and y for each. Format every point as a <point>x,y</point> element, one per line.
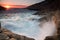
<point>49,38</point>
<point>8,35</point>
<point>3,37</point>
<point>57,35</point>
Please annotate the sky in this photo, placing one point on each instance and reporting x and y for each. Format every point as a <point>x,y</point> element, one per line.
<point>20,2</point>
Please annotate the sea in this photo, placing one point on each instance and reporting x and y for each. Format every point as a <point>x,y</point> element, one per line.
<point>21,21</point>
<point>24,22</point>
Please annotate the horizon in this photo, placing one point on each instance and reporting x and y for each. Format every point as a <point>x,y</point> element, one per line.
<point>13,6</point>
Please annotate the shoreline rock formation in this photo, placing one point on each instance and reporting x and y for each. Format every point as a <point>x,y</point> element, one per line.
<point>51,10</point>
<point>8,35</point>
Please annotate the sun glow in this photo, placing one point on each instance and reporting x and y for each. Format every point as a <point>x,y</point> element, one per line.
<point>7,6</point>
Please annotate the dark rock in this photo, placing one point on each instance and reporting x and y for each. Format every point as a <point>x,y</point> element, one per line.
<point>49,38</point>
<point>58,37</point>
<point>2,8</point>
<point>3,37</point>
<point>46,5</point>
<point>57,17</point>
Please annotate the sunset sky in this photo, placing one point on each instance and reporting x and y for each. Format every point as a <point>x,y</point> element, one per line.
<point>20,2</point>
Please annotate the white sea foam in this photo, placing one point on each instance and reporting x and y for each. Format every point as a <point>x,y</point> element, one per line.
<point>25,25</point>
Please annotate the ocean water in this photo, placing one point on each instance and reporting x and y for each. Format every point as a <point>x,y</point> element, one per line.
<point>23,22</point>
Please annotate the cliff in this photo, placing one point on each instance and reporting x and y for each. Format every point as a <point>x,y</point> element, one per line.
<point>51,10</point>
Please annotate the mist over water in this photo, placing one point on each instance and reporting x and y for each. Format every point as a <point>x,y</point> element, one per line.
<point>48,29</point>
<point>27,24</point>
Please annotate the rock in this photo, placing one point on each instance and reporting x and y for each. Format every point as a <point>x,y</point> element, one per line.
<point>3,37</point>
<point>57,35</point>
<point>8,35</point>
<point>49,38</point>
<point>49,8</point>
<point>12,39</point>
<point>2,8</point>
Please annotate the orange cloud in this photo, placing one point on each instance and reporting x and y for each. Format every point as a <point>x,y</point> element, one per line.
<point>13,6</point>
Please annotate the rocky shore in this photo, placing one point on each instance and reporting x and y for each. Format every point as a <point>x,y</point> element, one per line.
<point>8,35</point>
<point>50,8</point>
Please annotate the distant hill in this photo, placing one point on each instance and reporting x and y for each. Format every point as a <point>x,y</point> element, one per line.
<point>46,5</point>
<point>2,8</point>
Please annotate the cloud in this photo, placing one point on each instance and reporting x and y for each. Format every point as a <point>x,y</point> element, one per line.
<point>20,2</point>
